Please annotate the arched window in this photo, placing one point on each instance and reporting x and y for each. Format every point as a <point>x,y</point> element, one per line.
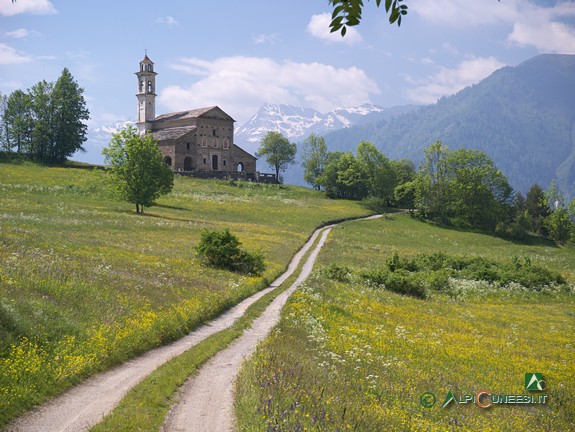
<point>204,141</point>
<point>240,167</point>
<point>214,142</point>
<point>150,90</point>
<point>188,164</point>
<point>168,161</point>
<point>226,143</point>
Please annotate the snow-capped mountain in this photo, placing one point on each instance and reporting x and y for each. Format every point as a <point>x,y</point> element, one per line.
<point>297,123</point>
<point>98,138</point>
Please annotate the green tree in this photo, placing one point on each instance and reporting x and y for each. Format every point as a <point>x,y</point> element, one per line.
<point>315,157</point>
<point>278,151</point>
<point>554,197</point>
<point>328,178</point>
<point>4,142</point>
<point>18,121</point>
<point>537,208</point>
<point>481,193</point>
<point>42,109</point>
<point>352,178</point>
<point>381,178</point>
<point>137,173</point>
<point>433,189</point>
<point>67,119</point>
<point>559,225</point>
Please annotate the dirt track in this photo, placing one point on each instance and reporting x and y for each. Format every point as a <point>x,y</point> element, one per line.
<point>86,404</point>
<point>206,400</point>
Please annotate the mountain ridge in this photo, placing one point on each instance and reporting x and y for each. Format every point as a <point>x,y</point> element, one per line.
<point>296,122</point>
<point>522,116</point>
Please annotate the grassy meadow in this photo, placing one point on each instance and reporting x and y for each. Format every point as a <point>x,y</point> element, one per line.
<point>85,283</point>
<point>348,355</point>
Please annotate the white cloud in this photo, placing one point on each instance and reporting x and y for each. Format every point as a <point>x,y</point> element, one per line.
<point>35,7</point>
<point>465,13</point>
<point>170,21</point>
<point>240,85</point>
<point>318,27</point>
<point>544,28</point>
<point>449,81</point>
<point>9,55</point>
<point>266,39</point>
<point>18,34</point>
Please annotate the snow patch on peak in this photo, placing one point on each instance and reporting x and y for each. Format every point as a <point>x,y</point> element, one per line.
<point>296,122</point>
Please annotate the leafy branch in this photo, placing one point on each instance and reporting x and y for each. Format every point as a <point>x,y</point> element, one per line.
<point>347,13</point>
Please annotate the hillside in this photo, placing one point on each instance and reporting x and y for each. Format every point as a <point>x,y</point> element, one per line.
<point>85,283</point>
<point>523,117</point>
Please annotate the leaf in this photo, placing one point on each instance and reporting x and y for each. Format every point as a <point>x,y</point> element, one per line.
<point>388,5</point>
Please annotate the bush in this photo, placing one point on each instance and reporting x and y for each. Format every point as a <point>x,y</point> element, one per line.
<point>433,271</point>
<point>336,272</point>
<point>399,281</point>
<point>221,249</point>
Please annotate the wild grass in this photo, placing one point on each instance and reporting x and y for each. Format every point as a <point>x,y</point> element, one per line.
<point>85,283</point>
<point>348,355</point>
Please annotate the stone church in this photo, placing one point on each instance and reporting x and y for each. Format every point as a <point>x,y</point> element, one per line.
<point>198,142</point>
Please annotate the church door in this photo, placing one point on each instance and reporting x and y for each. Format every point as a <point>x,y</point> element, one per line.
<point>215,162</point>
<point>188,164</point>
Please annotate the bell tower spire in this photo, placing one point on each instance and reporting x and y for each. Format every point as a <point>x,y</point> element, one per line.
<point>146,95</point>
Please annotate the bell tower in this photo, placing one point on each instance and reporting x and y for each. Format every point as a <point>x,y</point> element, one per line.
<point>146,95</point>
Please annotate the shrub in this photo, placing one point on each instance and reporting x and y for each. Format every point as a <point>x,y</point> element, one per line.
<point>221,249</point>
<point>433,271</point>
<point>400,281</point>
<point>336,272</point>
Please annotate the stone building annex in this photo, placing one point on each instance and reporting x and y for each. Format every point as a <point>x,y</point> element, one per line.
<point>197,142</point>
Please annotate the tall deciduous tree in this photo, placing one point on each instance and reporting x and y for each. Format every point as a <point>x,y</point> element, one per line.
<point>42,110</point>
<point>432,183</point>
<point>4,142</point>
<point>278,151</point>
<point>47,122</point>
<point>314,157</point>
<point>380,175</point>
<point>137,173</point>
<point>18,121</point>
<point>481,193</point>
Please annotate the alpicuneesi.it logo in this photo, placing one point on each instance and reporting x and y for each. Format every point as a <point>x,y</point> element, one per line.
<point>534,382</point>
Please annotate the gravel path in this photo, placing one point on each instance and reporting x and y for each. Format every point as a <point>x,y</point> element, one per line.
<point>206,401</point>
<point>86,404</point>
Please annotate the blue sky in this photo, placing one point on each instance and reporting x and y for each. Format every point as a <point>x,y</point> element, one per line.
<point>239,55</point>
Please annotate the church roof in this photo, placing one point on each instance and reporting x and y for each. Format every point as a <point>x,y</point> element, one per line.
<point>172,133</point>
<point>238,148</point>
<point>200,112</point>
